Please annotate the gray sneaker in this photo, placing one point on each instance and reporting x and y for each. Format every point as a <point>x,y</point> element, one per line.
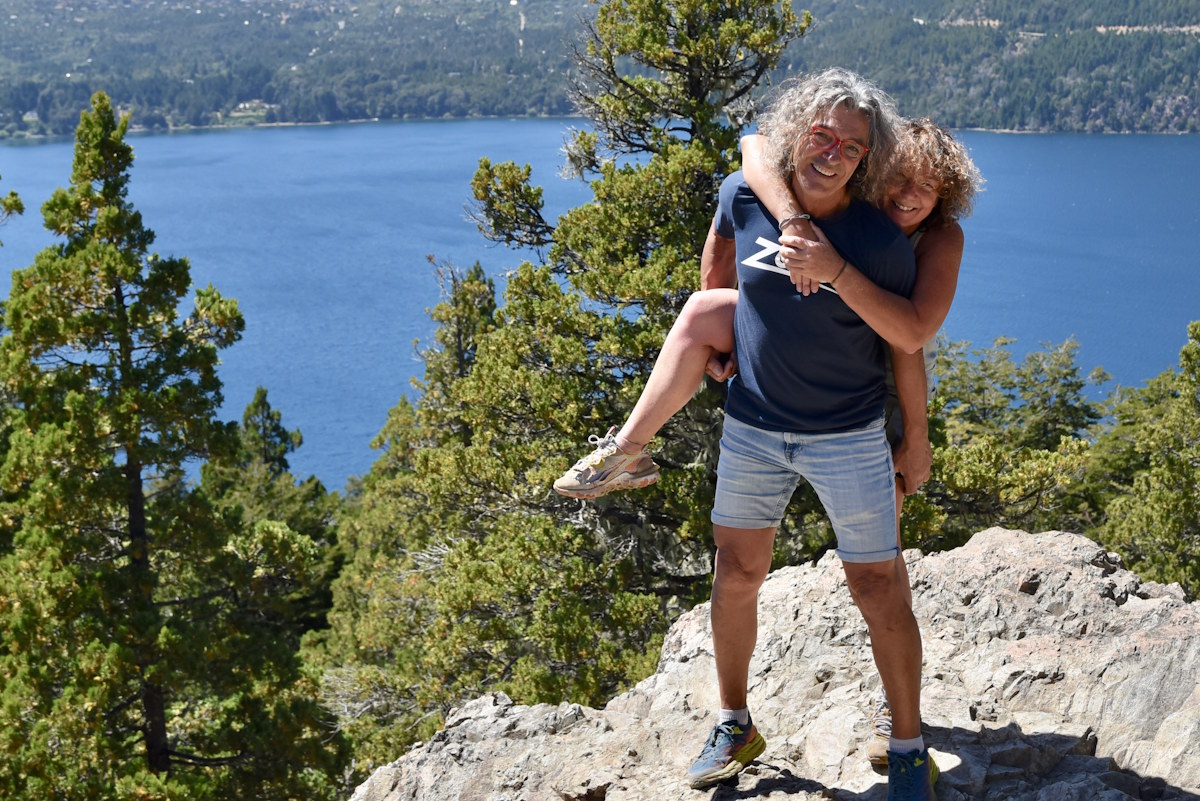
<point>881,730</point>
<point>605,469</point>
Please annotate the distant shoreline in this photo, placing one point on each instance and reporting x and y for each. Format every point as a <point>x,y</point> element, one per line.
<point>140,130</point>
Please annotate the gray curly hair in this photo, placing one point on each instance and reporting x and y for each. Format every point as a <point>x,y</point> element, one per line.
<point>798,104</point>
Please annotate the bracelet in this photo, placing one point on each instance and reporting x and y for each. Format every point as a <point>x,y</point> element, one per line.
<point>833,280</point>
<point>793,218</point>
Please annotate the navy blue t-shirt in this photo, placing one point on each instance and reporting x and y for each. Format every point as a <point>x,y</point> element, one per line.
<point>807,364</point>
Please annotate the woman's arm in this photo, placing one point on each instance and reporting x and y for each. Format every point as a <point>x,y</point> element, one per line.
<point>907,323</point>
<point>768,187</point>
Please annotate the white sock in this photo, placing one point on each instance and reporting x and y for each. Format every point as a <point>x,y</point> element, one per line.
<point>904,746</point>
<point>742,716</point>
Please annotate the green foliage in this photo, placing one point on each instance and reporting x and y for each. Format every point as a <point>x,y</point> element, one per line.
<point>1154,520</point>
<point>552,589</point>
<point>232,63</point>
<point>1010,442</point>
<point>10,204</point>
<point>141,655</point>
<point>1021,65</point>
<point>252,487</point>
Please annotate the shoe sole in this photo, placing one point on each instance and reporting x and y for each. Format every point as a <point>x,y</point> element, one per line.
<point>622,482</point>
<point>751,752</point>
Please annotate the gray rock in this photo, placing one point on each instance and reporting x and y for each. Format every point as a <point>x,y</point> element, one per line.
<point>1051,674</point>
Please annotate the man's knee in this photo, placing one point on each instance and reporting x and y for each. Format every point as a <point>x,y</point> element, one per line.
<point>876,587</point>
<point>741,569</point>
<point>743,556</point>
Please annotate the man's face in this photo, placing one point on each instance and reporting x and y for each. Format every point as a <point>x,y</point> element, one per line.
<point>822,172</point>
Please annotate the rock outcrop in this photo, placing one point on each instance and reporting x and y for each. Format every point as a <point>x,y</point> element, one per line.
<point>1050,673</point>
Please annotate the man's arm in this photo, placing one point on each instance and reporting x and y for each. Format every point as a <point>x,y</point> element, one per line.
<point>913,456</point>
<point>718,262</point>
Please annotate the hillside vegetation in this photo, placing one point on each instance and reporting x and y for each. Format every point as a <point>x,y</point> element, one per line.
<point>1000,64</point>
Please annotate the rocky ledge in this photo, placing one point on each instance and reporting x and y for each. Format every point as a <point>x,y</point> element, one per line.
<point>1050,674</point>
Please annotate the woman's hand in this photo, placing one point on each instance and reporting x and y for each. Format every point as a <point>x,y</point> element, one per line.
<point>809,261</point>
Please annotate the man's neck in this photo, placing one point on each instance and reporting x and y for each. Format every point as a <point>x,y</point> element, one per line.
<point>820,205</point>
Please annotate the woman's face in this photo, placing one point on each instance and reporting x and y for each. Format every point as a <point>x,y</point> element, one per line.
<point>911,197</point>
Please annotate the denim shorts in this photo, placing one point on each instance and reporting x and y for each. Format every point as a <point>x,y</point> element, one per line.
<point>851,472</point>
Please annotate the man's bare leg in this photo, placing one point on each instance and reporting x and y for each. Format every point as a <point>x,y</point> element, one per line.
<point>900,544</point>
<point>743,561</point>
<point>880,589</point>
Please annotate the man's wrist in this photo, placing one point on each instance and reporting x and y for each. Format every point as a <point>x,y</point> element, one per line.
<point>794,219</point>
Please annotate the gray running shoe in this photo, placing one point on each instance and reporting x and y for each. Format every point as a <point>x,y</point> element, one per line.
<point>881,730</point>
<point>605,469</point>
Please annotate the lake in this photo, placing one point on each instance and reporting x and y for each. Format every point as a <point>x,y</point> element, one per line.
<point>322,234</point>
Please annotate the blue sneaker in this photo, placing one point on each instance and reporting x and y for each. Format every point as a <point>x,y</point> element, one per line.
<point>911,776</point>
<point>730,748</point>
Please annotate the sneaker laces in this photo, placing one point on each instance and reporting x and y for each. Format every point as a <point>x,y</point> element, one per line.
<point>725,727</point>
<point>601,451</point>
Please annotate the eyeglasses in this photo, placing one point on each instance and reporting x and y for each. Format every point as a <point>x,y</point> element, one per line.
<point>825,139</point>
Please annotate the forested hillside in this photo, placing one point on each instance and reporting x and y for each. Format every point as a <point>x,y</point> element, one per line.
<point>1022,64</point>
<point>1012,64</point>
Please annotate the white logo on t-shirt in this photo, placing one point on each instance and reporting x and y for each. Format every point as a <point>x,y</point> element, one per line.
<point>764,259</point>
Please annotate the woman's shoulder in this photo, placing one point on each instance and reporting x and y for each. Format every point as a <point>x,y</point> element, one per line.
<point>946,235</point>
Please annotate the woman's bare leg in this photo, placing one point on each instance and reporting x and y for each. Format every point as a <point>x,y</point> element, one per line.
<point>900,545</point>
<point>704,328</point>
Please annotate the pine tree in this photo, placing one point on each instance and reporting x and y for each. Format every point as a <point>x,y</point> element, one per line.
<point>1010,442</point>
<point>1154,520</point>
<point>254,486</point>
<point>140,656</point>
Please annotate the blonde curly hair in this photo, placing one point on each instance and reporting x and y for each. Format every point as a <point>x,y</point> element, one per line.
<point>802,100</point>
<point>925,146</point>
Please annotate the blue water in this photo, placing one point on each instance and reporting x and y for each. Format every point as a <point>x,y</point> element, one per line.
<point>1088,236</point>
<point>322,235</point>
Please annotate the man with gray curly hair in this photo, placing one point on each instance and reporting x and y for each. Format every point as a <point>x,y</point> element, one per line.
<point>808,402</point>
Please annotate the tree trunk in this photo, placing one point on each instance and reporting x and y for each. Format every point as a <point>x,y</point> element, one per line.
<point>154,707</point>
